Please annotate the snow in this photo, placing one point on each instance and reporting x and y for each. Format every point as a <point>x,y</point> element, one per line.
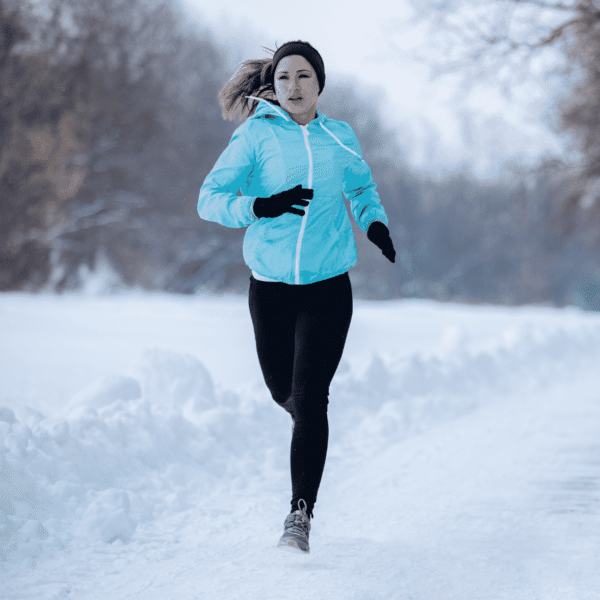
<point>141,455</point>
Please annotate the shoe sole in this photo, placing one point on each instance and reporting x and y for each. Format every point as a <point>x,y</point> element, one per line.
<point>291,547</point>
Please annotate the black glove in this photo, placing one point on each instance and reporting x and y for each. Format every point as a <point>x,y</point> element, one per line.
<point>379,234</point>
<point>276,205</point>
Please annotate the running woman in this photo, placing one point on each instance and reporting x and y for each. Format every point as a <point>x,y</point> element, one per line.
<point>292,164</point>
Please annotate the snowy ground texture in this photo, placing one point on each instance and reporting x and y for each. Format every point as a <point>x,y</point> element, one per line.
<point>141,455</point>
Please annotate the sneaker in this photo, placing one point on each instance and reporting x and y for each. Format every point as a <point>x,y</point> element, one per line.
<point>296,529</point>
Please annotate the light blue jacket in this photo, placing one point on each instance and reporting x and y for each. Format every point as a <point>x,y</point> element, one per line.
<point>270,153</point>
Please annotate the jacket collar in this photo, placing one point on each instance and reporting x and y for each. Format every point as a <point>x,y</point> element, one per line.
<point>265,108</point>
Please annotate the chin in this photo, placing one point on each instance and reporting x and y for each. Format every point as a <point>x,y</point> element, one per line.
<point>299,109</point>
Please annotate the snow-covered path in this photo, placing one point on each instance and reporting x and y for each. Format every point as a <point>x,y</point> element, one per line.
<point>466,466</point>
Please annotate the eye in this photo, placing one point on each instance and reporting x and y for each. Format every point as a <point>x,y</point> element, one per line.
<point>282,77</point>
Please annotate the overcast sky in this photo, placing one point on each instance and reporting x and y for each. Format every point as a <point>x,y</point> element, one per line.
<point>437,130</point>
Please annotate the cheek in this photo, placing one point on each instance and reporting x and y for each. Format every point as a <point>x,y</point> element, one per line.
<point>313,88</point>
<point>311,84</point>
<point>280,89</point>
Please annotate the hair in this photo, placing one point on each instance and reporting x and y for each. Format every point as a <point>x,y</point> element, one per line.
<point>252,78</point>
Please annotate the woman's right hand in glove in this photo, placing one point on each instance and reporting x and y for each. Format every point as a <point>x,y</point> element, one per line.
<point>276,205</point>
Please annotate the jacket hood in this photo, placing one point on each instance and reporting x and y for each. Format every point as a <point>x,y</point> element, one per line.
<point>268,109</point>
<point>265,108</point>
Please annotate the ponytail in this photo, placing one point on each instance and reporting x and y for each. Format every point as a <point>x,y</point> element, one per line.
<point>252,78</point>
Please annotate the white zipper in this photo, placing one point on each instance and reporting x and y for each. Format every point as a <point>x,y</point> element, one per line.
<point>310,176</point>
<point>303,226</point>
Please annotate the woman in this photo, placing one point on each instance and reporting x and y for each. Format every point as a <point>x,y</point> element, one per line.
<point>283,156</point>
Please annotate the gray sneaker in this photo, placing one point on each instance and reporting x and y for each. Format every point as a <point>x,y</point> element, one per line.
<point>296,529</point>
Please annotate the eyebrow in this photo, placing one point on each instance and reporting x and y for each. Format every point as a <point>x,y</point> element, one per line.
<point>298,71</point>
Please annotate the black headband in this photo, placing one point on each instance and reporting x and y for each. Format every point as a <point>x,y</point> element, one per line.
<point>308,52</point>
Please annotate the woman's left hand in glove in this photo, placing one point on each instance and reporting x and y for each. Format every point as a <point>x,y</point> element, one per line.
<point>379,234</point>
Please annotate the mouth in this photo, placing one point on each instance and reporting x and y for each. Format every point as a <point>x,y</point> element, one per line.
<point>296,99</point>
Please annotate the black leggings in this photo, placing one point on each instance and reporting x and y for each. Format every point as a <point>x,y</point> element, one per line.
<point>300,333</point>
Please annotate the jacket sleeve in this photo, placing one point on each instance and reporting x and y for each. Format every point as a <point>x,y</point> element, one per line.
<point>218,200</point>
<point>359,187</point>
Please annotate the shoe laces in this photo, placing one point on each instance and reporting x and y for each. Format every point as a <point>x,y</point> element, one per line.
<point>298,522</point>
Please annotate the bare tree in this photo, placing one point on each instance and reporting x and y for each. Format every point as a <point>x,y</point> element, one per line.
<point>108,126</point>
<point>548,47</point>
<point>36,130</point>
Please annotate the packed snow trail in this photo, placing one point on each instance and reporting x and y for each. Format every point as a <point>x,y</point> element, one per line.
<point>471,470</point>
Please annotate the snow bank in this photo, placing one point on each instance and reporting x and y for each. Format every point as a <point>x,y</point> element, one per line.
<point>395,397</point>
<point>131,449</point>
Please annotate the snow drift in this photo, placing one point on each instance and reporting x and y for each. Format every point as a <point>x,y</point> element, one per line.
<point>129,449</point>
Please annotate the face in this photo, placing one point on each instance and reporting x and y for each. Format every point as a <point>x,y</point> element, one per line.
<point>297,88</point>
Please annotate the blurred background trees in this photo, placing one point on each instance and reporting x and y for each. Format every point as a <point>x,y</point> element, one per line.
<point>109,123</point>
<point>551,47</point>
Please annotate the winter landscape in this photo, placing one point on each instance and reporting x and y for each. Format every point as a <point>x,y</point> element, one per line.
<point>141,455</point>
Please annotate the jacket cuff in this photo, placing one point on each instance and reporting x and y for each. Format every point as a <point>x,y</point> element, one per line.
<point>251,209</point>
<point>373,221</point>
